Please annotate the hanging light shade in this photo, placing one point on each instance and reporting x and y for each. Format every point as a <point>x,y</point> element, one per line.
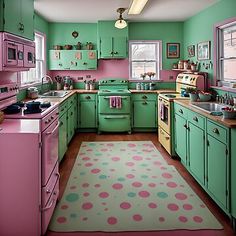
<point>120,23</point>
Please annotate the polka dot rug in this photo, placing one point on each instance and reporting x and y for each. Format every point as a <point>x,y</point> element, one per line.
<point>127,186</point>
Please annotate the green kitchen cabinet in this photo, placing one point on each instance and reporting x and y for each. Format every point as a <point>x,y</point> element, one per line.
<point>144,112</point>
<point>72,59</point>
<point>87,111</point>
<point>18,17</point>
<point>233,176</point>
<point>113,47</point>
<point>180,128</point>
<point>71,117</point>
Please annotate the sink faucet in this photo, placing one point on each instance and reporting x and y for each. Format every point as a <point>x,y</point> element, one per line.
<point>48,78</point>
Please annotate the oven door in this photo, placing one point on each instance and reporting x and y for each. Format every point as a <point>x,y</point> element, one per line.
<point>49,150</point>
<point>29,56</point>
<point>164,114</point>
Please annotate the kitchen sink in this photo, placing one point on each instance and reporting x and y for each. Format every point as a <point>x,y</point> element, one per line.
<point>55,94</point>
<point>208,106</point>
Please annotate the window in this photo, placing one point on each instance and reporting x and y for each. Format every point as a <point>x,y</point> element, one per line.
<point>227,52</point>
<point>34,75</point>
<point>145,56</point>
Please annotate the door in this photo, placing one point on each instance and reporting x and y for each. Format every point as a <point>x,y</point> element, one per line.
<point>62,136</point>
<point>106,47</point>
<point>70,123</point>
<point>197,152</point>
<point>144,114</point>
<point>217,169</point>
<point>181,138</point>
<point>119,47</point>
<point>87,114</point>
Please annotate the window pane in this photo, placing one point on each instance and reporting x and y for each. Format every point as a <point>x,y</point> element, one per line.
<point>229,35</point>
<point>230,69</point>
<point>39,47</point>
<point>139,68</point>
<point>143,52</point>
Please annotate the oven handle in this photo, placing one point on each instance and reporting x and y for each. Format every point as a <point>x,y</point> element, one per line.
<point>114,117</point>
<point>122,97</point>
<point>48,133</point>
<point>51,203</point>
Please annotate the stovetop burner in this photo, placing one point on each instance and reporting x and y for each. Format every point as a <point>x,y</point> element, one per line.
<point>32,111</point>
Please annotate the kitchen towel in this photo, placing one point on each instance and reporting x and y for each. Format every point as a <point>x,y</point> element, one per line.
<point>128,186</point>
<point>115,102</point>
<point>162,111</point>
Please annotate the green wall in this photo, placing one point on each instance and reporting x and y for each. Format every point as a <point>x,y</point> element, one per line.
<point>60,34</point>
<point>40,24</point>
<point>199,28</point>
<point>168,32</point>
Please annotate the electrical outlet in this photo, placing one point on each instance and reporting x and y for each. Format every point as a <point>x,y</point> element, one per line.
<point>88,76</point>
<point>171,77</point>
<point>80,78</point>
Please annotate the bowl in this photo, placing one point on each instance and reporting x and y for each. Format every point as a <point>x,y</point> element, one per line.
<point>204,97</point>
<point>57,47</point>
<point>33,105</point>
<point>68,47</point>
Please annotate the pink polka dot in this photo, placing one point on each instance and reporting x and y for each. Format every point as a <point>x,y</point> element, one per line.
<point>61,220</point>
<point>85,185</point>
<point>115,158</point>
<point>86,194</point>
<point>144,194</point>
<point>104,149</point>
<point>152,205</point>
<point>117,186</point>
<point>111,220</point>
<point>157,163</point>
<point>187,207</point>
<point>88,164</point>
<point>181,196</point>
<point>87,205</point>
<point>197,219</point>
<point>161,219</point>
<point>131,145</point>
<point>110,144</point>
<point>95,171</point>
<point>82,153</point>
<point>97,185</point>
<point>129,163</point>
<point>183,219</point>
<point>152,185</point>
<point>167,175</point>
<point>137,217</point>
<point>171,184</point>
<point>137,184</point>
<point>137,158</point>
<point>63,207</point>
<point>73,187</point>
<point>173,207</point>
<point>85,158</point>
<point>125,205</point>
<point>147,150</point>
<point>130,176</point>
<point>103,195</point>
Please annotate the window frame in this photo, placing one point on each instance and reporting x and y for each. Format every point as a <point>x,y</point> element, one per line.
<point>158,58</point>
<point>43,61</point>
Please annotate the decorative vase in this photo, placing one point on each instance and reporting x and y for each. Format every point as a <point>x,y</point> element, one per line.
<point>193,97</point>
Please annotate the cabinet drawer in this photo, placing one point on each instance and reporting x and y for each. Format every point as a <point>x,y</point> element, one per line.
<point>217,131</point>
<point>63,107</point>
<point>180,110</point>
<point>164,139</point>
<point>144,96</point>
<point>87,97</point>
<point>196,119</point>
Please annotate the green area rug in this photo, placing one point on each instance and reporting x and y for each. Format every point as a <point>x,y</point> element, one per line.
<point>127,186</point>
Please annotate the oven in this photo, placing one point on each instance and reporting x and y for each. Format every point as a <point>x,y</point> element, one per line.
<point>114,106</point>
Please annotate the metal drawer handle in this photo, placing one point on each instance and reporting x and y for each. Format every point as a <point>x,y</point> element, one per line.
<point>185,126</point>
<point>50,205</point>
<point>144,97</point>
<point>58,124</point>
<point>114,117</point>
<point>195,118</point>
<point>216,131</point>
<point>181,111</point>
<point>145,103</point>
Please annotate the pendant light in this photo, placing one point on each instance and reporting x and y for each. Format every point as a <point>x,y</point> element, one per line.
<point>120,23</point>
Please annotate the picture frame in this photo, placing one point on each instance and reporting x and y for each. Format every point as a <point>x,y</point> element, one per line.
<point>203,50</point>
<point>173,50</point>
<point>191,50</point>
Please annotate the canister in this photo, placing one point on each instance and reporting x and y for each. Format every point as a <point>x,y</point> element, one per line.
<point>138,86</point>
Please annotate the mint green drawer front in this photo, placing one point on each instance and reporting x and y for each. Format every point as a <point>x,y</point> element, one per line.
<point>217,131</point>
<point>181,111</point>
<point>63,107</point>
<point>144,96</point>
<point>87,97</point>
<point>196,119</point>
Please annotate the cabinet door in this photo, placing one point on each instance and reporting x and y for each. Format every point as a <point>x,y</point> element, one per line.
<point>70,123</point>
<point>119,47</point>
<point>181,138</point>
<point>217,169</point>
<point>68,60</point>
<point>144,114</point>
<point>106,47</point>
<point>87,114</point>
<point>196,152</point>
<point>90,59</point>
<point>62,136</point>
<point>75,112</point>
<point>55,62</point>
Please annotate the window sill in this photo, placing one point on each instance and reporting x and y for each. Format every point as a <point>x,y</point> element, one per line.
<point>25,86</point>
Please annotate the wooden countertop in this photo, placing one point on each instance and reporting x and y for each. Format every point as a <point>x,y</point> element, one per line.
<point>231,123</point>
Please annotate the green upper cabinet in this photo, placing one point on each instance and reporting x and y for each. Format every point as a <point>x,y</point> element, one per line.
<point>72,59</point>
<point>18,17</point>
<point>112,42</point>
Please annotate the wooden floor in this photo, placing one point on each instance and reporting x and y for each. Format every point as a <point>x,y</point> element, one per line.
<point>70,156</point>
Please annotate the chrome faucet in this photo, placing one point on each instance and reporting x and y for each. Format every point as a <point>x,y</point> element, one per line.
<point>49,79</point>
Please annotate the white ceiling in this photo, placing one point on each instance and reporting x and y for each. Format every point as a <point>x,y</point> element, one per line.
<point>93,10</point>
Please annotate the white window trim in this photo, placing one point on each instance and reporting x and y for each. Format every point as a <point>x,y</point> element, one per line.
<point>159,58</point>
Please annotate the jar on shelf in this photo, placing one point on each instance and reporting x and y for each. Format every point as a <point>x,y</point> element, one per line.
<point>181,64</point>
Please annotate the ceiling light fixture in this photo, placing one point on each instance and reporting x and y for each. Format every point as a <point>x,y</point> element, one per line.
<point>120,23</point>
<point>137,6</point>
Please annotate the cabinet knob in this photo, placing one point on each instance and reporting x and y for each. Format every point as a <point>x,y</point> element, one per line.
<point>87,97</point>
<point>216,131</point>
<point>111,53</point>
<point>145,103</point>
<point>144,97</point>
<point>195,118</point>
<point>181,111</point>
<point>116,53</point>
<point>85,63</point>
